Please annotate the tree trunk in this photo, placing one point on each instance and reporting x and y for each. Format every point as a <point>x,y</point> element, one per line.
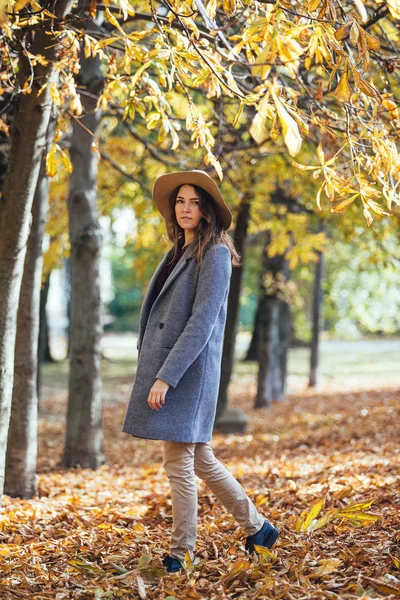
<point>84,437</point>
<point>274,334</point>
<point>228,352</point>
<point>27,144</point>
<point>316,317</point>
<point>45,355</point>
<point>44,352</point>
<point>269,379</point>
<point>252,352</point>
<point>20,474</point>
<point>67,291</point>
<point>285,335</point>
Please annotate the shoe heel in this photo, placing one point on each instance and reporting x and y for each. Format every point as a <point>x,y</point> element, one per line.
<point>271,539</point>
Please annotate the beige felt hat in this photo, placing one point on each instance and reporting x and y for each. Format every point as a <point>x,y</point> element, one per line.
<point>165,185</point>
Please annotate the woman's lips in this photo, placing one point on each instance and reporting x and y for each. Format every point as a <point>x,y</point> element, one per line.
<point>186,219</point>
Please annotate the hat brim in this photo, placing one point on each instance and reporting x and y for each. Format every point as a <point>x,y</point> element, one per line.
<point>166,184</point>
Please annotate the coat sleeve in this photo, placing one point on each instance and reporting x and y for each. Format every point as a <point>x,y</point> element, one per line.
<point>212,286</point>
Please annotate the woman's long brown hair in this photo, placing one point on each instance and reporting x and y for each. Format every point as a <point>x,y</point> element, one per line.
<point>210,230</point>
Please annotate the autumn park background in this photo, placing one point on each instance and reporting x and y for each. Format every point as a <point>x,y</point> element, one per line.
<point>293,108</point>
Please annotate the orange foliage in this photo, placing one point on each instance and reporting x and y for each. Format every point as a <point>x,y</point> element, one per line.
<point>101,534</point>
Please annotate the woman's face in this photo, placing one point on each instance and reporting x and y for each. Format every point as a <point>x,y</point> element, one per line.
<point>187,208</point>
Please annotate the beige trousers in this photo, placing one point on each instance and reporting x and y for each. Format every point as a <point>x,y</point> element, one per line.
<point>182,462</point>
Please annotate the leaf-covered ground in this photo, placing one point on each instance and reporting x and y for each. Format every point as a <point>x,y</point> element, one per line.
<point>324,468</point>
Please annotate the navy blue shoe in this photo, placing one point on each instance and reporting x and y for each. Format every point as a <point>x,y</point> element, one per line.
<point>266,537</point>
<point>173,565</point>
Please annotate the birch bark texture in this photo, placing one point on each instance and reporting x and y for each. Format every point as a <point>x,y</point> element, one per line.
<point>84,445</point>
<point>20,474</point>
<point>27,144</point>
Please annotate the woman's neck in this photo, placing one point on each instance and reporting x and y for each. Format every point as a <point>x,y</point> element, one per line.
<point>187,242</point>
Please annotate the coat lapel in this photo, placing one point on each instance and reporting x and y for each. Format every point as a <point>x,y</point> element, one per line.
<point>149,300</point>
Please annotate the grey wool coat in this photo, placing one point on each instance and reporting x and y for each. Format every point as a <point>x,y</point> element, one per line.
<point>180,341</point>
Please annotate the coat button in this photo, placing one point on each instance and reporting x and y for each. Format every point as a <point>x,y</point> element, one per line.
<point>161,325</point>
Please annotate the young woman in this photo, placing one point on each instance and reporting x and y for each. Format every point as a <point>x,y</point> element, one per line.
<point>182,321</point>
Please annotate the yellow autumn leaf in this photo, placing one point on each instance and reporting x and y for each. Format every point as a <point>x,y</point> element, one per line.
<point>87,46</point>
<point>382,587</point>
<point>66,161</point>
<point>309,514</point>
<point>322,521</point>
<point>394,8</point>
<point>20,4</point>
<point>188,559</point>
<point>265,552</point>
<point>274,131</point>
<point>51,163</point>
<point>313,5</point>
<point>327,565</point>
<point>55,94</point>
<point>230,7</point>
<point>126,8</point>
<point>304,167</point>
<point>290,128</point>
<point>139,73</point>
<point>339,207</point>
<point>211,159</point>
<point>211,8</point>
<point>75,105</point>
<point>239,113</point>
<point>232,82</point>
<point>262,70</point>
<point>92,8</point>
<point>368,89</point>
<point>359,4</point>
<point>371,40</point>
<point>343,31</point>
<point>391,106</point>
<point>320,154</point>
<point>354,32</point>
<point>303,126</point>
<point>144,561</point>
<point>289,49</point>
<point>86,566</point>
<point>257,129</point>
<point>365,87</point>
<point>359,518</point>
<point>175,139</point>
<point>396,562</point>
<point>358,506</point>
<point>238,566</point>
<point>105,42</point>
<point>318,196</point>
<point>111,19</point>
<point>343,91</point>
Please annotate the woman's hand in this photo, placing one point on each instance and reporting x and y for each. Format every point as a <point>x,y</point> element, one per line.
<point>157,394</point>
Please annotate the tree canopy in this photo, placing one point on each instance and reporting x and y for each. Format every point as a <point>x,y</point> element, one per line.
<point>281,73</point>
